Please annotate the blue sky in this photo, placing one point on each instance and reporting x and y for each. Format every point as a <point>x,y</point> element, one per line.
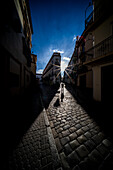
<point>56,23</point>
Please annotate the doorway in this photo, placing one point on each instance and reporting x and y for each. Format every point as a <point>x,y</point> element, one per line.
<point>107,85</point>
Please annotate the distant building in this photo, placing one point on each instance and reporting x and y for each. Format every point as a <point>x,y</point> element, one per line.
<point>39,76</point>
<point>70,72</point>
<point>52,71</point>
<point>15,46</point>
<point>33,64</point>
<point>33,68</point>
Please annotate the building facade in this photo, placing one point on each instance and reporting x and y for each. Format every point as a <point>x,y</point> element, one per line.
<point>52,72</point>
<point>70,71</point>
<point>33,68</point>
<point>100,56</point>
<point>33,64</point>
<point>94,53</point>
<point>84,73</point>
<point>15,46</point>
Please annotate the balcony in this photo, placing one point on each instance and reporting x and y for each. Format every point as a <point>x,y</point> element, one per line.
<point>89,20</point>
<point>103,49</point>
<point>99,14</point>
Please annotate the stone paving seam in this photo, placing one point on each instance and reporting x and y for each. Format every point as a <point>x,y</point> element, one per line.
<point>54,151</point>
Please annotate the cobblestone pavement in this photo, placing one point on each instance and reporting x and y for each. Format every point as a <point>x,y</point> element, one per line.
<point>63,137</point>
<point>81,143</point>
<point>34,150</point>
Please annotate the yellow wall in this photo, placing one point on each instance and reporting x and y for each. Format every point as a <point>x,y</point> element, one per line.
<point>89,79</point>
<point>97,83</point>
<point>103,31</point>
<point>17,4</point>
<point>33,68</point>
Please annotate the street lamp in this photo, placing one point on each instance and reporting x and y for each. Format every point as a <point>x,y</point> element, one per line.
<point>90,4</point>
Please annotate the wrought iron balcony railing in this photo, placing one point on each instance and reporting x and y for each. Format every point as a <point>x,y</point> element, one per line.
<point>89,20</point>
<point>104,48</point>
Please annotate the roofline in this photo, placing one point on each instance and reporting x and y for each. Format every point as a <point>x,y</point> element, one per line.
<point>51,59</point>
<point>29,13</point>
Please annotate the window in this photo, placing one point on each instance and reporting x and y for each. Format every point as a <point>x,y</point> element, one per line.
<point>57,61</point>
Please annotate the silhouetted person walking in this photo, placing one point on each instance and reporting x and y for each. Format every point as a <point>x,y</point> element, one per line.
<point>62,92</point>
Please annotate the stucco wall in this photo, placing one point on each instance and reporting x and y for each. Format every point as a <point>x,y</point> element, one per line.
<point>89,79</point>
<point>97,83</point>
<point>103,31</point>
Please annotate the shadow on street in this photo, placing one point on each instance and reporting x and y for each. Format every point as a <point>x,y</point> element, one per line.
<point>48,92</point>
<point>57,103</point>
<point>101,113</point>
<point>19,115</point>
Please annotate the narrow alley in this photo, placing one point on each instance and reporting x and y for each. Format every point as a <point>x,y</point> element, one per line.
<point>57,88</point>
<point>63,136</point>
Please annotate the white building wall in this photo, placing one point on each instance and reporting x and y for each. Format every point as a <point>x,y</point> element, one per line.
<point>53,72</point>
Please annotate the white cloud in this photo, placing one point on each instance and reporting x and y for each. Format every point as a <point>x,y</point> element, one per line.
<point>63,65</point>
<point>66,58</point>
<point>39,71</point>
<point>56,50</point>
<point>74,38</point>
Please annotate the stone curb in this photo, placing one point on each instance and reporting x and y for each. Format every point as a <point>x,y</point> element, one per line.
<point>54,151</point>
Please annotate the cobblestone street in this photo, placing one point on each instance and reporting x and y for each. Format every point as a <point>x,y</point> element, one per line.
<point>64,136</point>
<point>81,143</point>
<point>33,152</point>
